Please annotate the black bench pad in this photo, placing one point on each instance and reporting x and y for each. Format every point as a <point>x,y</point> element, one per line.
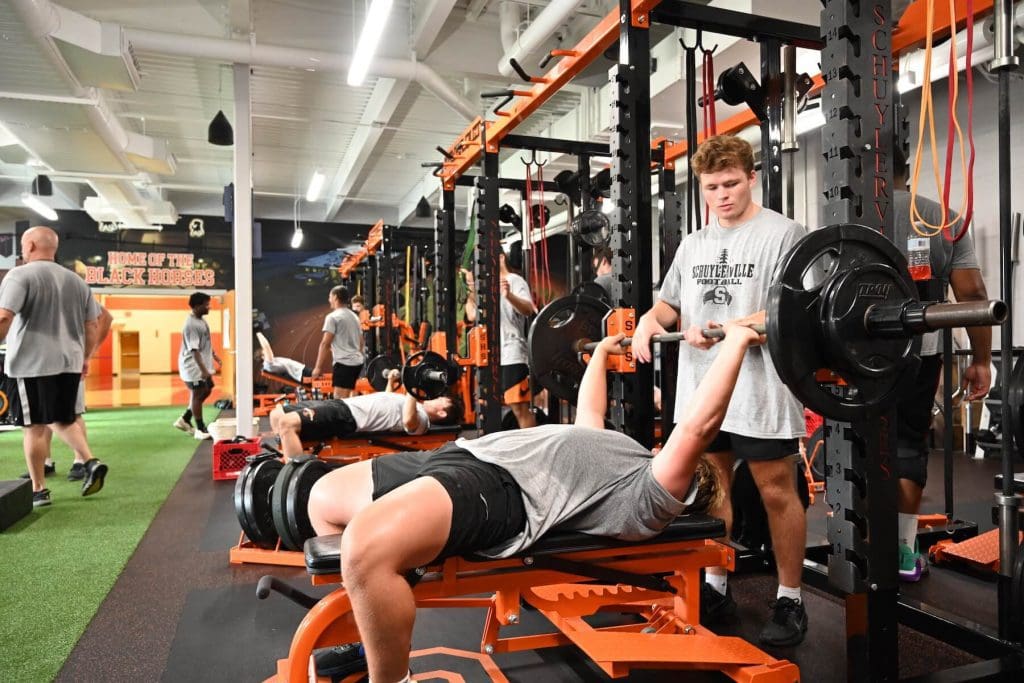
<point>323,553</point>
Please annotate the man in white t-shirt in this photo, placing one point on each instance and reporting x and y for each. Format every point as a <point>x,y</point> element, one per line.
<point>386,411</point>
<point>721,273</point>
<point>516,307</point>
<point>343,340</point>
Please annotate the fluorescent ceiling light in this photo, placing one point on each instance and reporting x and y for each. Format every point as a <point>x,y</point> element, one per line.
<point>376,20</point>
<point>316,183</point>
<point>40,207</point>
<point>297,238</point>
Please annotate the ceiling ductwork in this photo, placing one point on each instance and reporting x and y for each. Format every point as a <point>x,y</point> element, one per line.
<point>86,52</point>
<point>253,54</point>
<point>543,27</point>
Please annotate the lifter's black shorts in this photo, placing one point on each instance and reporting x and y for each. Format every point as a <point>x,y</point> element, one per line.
<point>201,385</point>
<point>487,503</point>
<point>46,400</point>
<point>323,419</point>
<point>751,448</point>
<point>914,422</point>
<point>345,376</point>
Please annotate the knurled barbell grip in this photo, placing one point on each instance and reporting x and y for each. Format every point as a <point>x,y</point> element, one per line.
<point>712,333</point>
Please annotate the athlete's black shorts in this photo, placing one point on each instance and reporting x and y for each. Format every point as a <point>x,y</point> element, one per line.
<point>512,375</point>
<point>914,421</point>
<point>46,400</point>
<point>752,448</point>
<point>201,385</point>
<point>487,503</point>
<point>345,376</point>
<point>323,419</point>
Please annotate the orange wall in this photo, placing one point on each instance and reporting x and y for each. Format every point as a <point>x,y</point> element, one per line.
<point>158,319</point>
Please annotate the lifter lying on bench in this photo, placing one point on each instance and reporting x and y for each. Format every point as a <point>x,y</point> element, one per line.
<point>386,411</point>
<point>497,495</point>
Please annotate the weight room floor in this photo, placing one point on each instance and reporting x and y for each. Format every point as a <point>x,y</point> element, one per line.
<point>181,612</point>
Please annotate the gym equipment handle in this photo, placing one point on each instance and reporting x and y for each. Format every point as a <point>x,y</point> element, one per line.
<point>714,333</point>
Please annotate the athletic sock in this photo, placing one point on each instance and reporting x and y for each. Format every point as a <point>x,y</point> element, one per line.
<point>187,416</point>
<point>407,679</point>
<point>787,592</point>
<point>908,529</point>
<point>200,425</point>
<point>720,582</point>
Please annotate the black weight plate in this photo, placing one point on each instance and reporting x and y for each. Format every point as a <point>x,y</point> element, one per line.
<point>1013,416</point>
<point>804,283</point>
<point>554,361</point>
<point>257,495</point>
<point>593,290</point>
<point>238,498</point>
<point>297,501</point>
<point>1016,606</point>
<point>377,369</point>
<point>414,378</point>
<point>279,501</point>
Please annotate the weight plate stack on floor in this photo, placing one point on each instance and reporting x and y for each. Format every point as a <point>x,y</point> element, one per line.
<point>253,492</point>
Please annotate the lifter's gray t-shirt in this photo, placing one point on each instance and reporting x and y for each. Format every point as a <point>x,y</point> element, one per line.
<point>51,306</point>
<point>346,347</point>
<point>513,323</point>
<point>593,481</point>
<point>945,256</point>
<point>382,412</point>
<point>724,273</point>
<point>195,336</point>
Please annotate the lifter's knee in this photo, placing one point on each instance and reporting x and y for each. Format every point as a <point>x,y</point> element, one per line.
<point>367,550</point>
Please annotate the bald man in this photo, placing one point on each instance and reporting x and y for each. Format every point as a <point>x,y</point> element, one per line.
<point>52,325</point>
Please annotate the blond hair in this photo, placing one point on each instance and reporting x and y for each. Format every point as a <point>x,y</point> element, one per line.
<point>721,152</point>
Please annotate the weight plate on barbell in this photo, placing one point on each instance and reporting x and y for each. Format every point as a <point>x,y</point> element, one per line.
<point>297,501</point>
<point>279,501</point>
<point>252,500</point>
<point>554,334</point>
<point>418,375</point>
<point>820,292</point>
<point>1013,416</point>
<point>377,370</point>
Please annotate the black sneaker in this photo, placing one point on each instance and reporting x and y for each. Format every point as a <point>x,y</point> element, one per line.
<point>49,468</point>
<point>715,607</point>
<point>340,661</point>
<point>95,473</point>
<point>788,624</point>
<point>41,498</point>
<point>77,472</point>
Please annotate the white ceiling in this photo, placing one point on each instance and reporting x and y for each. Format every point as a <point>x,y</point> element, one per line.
<point>369,141</point>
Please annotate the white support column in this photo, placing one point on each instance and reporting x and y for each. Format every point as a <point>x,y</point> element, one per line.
<point>243,251</point>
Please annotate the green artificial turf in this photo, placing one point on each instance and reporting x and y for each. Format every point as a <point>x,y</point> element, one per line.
<point>58,564</point>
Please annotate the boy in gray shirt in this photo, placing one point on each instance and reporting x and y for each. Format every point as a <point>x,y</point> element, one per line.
<point>195,365</point>
<point>723,273</point>
<point>343,339</point>
<point>497,494</point>
<point>51,323</point>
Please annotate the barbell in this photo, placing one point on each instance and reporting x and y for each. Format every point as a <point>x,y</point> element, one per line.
<point>842,310</point>
<point>425,374</point>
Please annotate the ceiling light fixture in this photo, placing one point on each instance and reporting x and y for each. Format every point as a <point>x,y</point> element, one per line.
<point>316,183</point>
<point>36,204</point>
<point>423,208</point>
<point>297,238</point>
<point>376,20</point>
<point>220,131</point>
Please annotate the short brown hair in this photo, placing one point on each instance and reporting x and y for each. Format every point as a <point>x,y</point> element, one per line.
<point>357,299</point>
<point>720,152</point>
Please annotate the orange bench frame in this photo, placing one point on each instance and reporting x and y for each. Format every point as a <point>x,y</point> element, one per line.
<point>670,638</point>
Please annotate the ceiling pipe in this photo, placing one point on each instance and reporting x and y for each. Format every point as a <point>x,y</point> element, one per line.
<point>243,52</point>
<point>510,15</point>
<point>43,19</point>
<point>542,28</point>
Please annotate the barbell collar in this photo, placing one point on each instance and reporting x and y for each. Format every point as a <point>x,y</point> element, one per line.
<point>914,317</point>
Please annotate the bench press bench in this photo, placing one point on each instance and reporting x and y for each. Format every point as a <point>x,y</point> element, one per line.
<point>365,445</point>
<point>566,577</point>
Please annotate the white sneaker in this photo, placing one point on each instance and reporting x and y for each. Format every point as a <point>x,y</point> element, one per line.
<point>184,426</point>
<point>201,436</point>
